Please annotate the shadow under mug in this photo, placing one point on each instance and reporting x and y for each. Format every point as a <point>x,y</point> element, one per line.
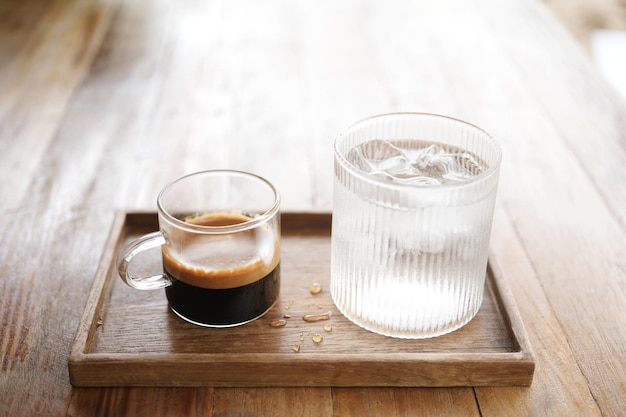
<point>219,234</point>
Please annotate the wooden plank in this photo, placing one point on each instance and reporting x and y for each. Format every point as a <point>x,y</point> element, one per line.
<point>305,402</point>
<point>137,402</point>
<point>46,50</point>
<point>50,50</point>
<point>593,133</point>
<point>402,402</point>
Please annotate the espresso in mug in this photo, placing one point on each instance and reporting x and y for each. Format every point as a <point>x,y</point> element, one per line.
<point>222,280</point>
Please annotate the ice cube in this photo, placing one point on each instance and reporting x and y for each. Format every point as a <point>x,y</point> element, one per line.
<point>427,157</point>
<point>433,241</point>
<point>446,166</point>
<point>429,165</point>
<point>463,166</point>
<point>378,155</point>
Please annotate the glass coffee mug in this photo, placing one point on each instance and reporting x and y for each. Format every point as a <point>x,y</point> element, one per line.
<point>219,233</point>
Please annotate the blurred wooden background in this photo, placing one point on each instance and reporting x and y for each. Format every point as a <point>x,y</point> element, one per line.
<point>582,17</point>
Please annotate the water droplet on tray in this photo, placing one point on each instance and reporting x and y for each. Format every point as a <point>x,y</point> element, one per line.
<point>317,317</point>
<point>315,288</point>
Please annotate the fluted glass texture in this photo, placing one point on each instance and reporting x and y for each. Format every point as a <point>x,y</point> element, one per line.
<point>409,260</point>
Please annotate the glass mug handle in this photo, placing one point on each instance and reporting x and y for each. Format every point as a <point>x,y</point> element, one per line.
<point>143,243</point>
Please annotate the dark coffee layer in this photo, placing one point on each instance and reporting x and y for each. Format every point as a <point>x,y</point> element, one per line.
<point>227,306</point>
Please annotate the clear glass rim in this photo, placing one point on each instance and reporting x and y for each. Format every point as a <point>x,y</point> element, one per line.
<point>493,167</point>
<point>250,224</point>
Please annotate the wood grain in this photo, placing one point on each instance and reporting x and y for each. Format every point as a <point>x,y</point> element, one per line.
<point>47,52</point>
<point>46,49</point>
<point>140,402</point>
<point>405,402</point>
<point>305,402</point>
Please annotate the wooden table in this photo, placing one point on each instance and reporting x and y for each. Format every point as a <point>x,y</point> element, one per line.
<point>102,102</point>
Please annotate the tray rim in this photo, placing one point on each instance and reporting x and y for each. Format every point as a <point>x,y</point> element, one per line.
<point>521,358</point>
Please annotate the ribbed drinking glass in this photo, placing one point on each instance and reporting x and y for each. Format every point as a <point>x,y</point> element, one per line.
<point>414,197</point>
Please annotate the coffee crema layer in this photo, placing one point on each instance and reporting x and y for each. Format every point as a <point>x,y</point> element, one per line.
<point>217,261</point>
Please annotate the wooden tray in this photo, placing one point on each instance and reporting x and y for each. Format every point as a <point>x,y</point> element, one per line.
<point>130,338</point>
